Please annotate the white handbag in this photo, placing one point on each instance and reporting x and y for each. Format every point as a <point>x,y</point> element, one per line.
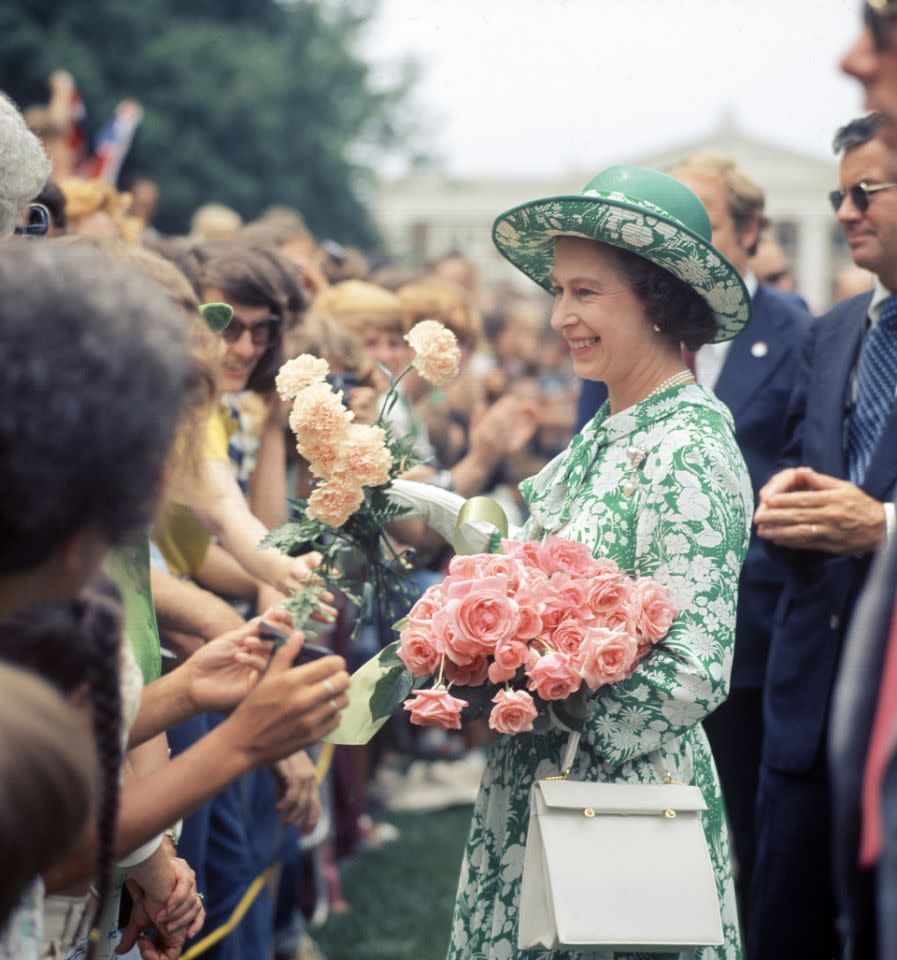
<point>617,866</point>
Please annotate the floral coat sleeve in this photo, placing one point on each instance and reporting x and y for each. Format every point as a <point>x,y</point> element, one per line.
<point>662,489</point>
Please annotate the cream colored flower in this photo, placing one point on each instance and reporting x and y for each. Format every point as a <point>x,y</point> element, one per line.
<point>322,455</point>
<point>438,356</point>
<point>334,502</point>
<point>364,456</point>
<point>318,414</point>
<point>295,375</point>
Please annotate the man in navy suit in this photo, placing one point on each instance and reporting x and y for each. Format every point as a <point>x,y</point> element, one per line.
<point>753,375</point>
<point>826,513</point>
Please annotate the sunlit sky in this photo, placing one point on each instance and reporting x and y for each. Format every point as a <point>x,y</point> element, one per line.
<point>547,86</point>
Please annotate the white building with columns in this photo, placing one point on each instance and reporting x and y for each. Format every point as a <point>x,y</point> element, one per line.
<point>425,215</point>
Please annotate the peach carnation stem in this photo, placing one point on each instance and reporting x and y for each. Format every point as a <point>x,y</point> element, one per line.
<point>392,395</point>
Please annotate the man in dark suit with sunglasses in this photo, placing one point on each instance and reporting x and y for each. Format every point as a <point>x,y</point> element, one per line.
<point>825,515</point>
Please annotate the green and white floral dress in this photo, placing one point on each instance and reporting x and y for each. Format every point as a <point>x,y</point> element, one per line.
<point>662,489</point>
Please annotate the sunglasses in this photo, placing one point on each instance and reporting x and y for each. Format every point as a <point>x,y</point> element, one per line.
<point>262,332</point>
<point>37,222</point>
<point>859,194</point>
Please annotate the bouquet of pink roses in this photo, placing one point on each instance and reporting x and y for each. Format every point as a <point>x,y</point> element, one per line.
<point>516,631</point>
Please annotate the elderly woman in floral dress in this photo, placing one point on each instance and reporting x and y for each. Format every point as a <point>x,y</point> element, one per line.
<point>655,482</point>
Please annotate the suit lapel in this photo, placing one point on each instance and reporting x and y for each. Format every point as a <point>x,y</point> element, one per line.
<point>751,359</point>
<point>836,352</point>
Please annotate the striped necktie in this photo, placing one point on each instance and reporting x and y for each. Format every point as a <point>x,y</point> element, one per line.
<point>876,383</point>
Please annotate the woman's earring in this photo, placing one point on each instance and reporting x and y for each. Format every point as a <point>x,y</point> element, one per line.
<point>657,329</point>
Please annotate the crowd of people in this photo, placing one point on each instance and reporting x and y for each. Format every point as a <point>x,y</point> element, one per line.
<point>165,787</point>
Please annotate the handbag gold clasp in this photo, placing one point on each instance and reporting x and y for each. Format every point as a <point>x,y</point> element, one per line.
<point>589,812</point>
<point>670,814</point>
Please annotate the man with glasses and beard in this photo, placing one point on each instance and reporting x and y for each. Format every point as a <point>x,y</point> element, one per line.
<point>826,514</point>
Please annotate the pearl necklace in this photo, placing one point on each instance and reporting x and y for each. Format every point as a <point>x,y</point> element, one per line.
<point>677,379</point>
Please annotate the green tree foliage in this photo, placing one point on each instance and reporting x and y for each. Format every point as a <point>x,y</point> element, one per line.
<point>247,102</point>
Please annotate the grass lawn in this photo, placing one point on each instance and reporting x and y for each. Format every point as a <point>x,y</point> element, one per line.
<point>401,895</point>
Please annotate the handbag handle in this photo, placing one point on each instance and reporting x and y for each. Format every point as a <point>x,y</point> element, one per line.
<point>572,746</point>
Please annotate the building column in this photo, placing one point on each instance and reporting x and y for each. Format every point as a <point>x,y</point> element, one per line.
<point>813,269</point>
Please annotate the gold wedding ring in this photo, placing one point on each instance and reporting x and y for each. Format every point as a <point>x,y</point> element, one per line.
<point>814,530</point>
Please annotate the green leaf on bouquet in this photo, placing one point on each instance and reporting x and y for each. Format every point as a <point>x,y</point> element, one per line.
<point>303,604</point>
<point>394,685</point>
<point>358,722</point>
<point>400,625</point>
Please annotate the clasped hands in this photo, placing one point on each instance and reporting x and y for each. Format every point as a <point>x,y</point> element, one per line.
<point>805,510</point>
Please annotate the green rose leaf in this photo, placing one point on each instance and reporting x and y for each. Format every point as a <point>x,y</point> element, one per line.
<point>393,685</point>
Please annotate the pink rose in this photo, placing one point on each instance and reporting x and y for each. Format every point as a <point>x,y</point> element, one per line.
<point>530,624</point>
<point>511,654</point>
<point>435,708</point>
<point>554,677</point>
<point>513,713</point>
<point>486,614</point>
<point>426,606</point>
<point>575,591</point>
<point>556,609</point>
<point>653,610</point>
<point>498,674</point>
<point>448,639</point>
<point>568,638</point>
<point>417,651</point>
<point>602,566</point>
<point>470,675</point>
<point>438,357</point>
<point>466,567</point>
<point>566,556</point>
<point>497,565</point>
<point>608,656</point>
<point>528,552</point>
<point>607,594</point>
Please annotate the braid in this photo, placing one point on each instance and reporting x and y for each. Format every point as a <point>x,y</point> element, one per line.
<point>102,624</point>
<point>73,643</point>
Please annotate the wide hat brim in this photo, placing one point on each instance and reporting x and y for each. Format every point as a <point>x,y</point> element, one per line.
<point>525,236</point>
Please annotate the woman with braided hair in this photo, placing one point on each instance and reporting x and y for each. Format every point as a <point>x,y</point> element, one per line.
<point>76,646</point>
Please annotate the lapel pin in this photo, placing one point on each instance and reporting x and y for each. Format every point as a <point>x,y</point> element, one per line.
<point>759,349</point>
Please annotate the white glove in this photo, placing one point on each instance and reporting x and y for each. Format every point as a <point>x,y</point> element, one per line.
<point>439,509</point>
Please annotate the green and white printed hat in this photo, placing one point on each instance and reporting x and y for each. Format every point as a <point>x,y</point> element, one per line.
<point>640,210</point>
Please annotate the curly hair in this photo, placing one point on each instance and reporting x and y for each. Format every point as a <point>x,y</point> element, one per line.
<point>74,643</point>
<point>96,368</point>
<point>669,303</point>
<point>24,167</point>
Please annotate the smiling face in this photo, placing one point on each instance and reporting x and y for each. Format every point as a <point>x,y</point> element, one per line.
<point>595,310</point>
<point>387,347</point>
<point>239,358</point>
<point>871,234</point>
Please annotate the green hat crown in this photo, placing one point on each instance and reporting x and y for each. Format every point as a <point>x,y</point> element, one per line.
<point>642,187</point>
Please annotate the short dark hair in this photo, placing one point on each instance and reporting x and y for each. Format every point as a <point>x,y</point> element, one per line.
<point>857,132</point>
<point>96,366</point>
<point>256,276</point>
<point>670,303</point>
